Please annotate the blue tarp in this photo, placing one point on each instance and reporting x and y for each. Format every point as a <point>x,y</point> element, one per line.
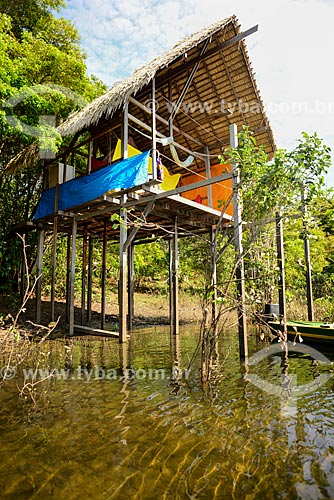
<point>125,174</point>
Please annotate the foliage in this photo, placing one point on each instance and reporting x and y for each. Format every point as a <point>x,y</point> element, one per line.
<point>42,79</point>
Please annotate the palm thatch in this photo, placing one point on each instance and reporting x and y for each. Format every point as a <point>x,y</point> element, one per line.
<point>235,62</point>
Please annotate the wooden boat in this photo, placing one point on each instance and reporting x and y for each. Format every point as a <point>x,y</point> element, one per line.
<point>310,331</point>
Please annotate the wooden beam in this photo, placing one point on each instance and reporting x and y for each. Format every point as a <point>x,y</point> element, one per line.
<point>135,230</point>
<point>142,124</point>
<point>187,84</point>
<point>179,190</point>
<point>95,331</point>
<point>188,64</point>
<point>154,132</point>
<point>165,122</point>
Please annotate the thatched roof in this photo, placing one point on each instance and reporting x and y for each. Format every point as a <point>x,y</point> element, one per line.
<point>225,76</point>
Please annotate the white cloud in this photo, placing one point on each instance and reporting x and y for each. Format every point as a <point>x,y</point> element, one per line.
<point>291,52</point>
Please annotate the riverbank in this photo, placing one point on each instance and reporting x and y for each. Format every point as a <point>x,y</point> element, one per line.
<point>150,310</point>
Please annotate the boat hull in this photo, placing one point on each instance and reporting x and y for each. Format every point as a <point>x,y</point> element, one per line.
<point>309,330</point>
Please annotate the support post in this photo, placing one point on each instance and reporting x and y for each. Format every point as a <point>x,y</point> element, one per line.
<point>131,273</point>
<point>307,255</point>
<point>72,276</point>
<point>122,274</point>
<point>39,266</point>
<point>90,279</point>
<point>154,132</point>
<point>171,283</point>
<point>213,277</point>
<point>281,267</point>
<point>175,280</point>
<point>54,266</point>
<point>68,275</point>
<point>208,175</point>
<point>240,273</point>
<point>83,276</point>
<point>122,302</point>
<point>104,276</point>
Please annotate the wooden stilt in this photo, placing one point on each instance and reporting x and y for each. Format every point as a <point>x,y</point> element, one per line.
<point>68,274</point>
<point>104,276</point>
<point>72,276</point>
<point>307,256</point>
<point>122,275</point>
<point>175,280</point>
<point>54,266</point>
<point>90,279</point>
<point>171,283</point>
<point>208,175</point>
<point>83,276</point>
<point>39,265</point>
<point>281,267</point>
<point>213,276</point>
<point>122,299</point>
<point>154,141</point>
<point>240,273</point>
<point>131,272</point>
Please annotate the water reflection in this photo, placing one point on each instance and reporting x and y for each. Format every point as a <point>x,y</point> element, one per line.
<point>137,427</point>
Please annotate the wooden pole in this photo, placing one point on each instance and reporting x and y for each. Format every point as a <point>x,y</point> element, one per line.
<point>171,283</point>
<point>213,276</point>
<point>281,267</point>
<point>175,280</point>
<point>122,275</point>
<point>154,132</point>
<point>122,301</point>
<point>72,275</point>
<point>104,276</point>
<point>68,275</point>
<point>208,175</point>
<point>131,273</point>
<point>83,275</point>
<point>90,279</point>
<point>240,273</point>
<point>39,267</point>
<point>307,255</point>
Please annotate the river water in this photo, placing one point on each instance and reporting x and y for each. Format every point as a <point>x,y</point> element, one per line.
<point>134,422</point>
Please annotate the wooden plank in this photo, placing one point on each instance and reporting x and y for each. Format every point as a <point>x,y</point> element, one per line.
<point>95,331</point>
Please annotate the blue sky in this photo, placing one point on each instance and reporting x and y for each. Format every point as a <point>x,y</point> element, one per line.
<point>292,52</point>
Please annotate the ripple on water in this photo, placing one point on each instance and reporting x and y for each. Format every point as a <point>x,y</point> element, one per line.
<point>161,438</point>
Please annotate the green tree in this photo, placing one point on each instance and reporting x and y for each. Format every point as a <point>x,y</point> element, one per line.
<point>42,73</point>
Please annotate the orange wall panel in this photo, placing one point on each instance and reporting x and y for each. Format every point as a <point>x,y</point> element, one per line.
<point>221,192</point>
